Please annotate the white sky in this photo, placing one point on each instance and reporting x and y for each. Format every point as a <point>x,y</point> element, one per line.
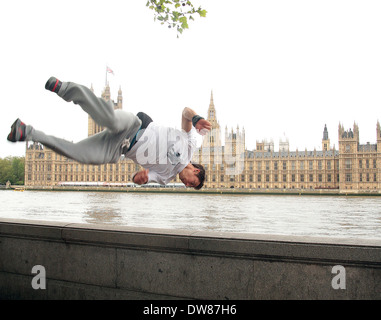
<point>275,67</point>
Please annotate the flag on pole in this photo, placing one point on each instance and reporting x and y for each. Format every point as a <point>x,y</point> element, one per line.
<point>109,70</point>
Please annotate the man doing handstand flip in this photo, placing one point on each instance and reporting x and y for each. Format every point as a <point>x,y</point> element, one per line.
<point>163,152</point>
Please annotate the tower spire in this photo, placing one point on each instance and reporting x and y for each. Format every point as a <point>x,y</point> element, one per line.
<point>325,133</point>
<point>212,110</point>
<point>325,140</point>
<point>212,139</point>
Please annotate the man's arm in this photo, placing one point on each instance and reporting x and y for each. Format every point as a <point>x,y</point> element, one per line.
<point>186,121</point>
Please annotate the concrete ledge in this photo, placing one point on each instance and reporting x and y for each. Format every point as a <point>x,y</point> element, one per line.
<point>226,191</point>
<point>85,261</point>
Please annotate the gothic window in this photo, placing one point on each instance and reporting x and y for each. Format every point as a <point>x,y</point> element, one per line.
<point>348,164</point>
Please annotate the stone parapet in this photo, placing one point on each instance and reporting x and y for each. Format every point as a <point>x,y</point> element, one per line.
<point>83,261</point>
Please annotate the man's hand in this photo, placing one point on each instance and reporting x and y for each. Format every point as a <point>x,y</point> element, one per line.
<point>141,177</point>
<point>203,126</point>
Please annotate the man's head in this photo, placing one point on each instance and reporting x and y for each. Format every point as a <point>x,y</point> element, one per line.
<point>193,175</point>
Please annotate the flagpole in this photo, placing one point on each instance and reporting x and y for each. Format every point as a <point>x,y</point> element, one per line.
<point>108,70</point>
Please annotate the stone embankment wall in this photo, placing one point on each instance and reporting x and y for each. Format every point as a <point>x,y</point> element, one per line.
<point>53,260</point>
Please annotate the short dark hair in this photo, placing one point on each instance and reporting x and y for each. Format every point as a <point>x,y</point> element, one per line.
<point>200,175</point>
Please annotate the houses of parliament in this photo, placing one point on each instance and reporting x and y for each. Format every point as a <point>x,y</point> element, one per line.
<point>354,167</point>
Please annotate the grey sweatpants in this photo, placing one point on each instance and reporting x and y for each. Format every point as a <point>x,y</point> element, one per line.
<point>103,147</point>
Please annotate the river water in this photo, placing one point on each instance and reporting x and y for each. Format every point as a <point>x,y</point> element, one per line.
<point>317,216</point>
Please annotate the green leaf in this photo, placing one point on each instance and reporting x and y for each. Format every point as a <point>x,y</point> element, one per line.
<point>202,13</point>
<point>175,15</point>
<point>184,22</point>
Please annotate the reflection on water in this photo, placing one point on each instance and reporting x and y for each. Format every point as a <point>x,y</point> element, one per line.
<point>324,216</point>
<point>102,208</point>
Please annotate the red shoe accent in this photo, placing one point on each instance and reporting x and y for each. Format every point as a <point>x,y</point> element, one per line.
<point>55,86</point>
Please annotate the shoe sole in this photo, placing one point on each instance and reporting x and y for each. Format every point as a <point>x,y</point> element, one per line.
<point>16,133</point>
<point>53,84</point>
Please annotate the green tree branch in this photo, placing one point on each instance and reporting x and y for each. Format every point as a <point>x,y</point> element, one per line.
<point>175,13</point>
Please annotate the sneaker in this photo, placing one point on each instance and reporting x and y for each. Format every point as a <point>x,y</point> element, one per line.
<point>53,85</point>
<point>17,131</point>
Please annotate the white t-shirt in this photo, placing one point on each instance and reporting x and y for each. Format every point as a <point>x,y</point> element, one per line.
<point>164,151</point>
